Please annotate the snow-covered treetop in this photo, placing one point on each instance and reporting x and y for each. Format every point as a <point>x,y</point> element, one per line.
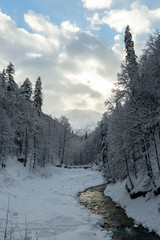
<point>10,71</point>
<point>38,97</point>
<point>129,46</point>
<point>25,91</point>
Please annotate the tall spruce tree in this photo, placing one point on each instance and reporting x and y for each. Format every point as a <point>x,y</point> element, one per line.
<point>38,97</point>
<point>24,104</point>
<point>26,90</point>
<point>10,71</point>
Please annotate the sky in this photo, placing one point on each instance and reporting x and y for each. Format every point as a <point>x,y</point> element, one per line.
<point>75,46</point>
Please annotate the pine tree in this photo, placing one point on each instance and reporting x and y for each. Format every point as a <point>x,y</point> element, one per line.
<point>10,71</point>
<point>127,80</point>
<point>123,108</point>
<point>3,79</point>
<point>26,90</point>
<point>37,98</point>
<point>24,104</point>
<point>24,96</point>
<point>129,46</point>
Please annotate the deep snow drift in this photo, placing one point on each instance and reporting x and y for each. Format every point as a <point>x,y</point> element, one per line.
<point>48,200</point>
<point>145,211</point>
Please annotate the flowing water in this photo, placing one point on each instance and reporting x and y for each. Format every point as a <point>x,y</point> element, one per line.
<point>114,217</point>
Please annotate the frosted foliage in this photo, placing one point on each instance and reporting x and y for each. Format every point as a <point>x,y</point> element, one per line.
<point>128,39</point>
<point>10,72</point>
<point>38,95</point>
<point>133,120</point>
<point>38,139</point>
<point>26,89</point>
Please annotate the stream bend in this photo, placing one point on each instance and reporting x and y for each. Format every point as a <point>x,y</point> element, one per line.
<point>114,217</point>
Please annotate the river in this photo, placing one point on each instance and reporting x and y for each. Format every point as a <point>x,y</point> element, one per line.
<point>114,217</point>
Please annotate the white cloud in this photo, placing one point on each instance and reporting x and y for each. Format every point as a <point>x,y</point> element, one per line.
<point>34,55</point>
<point>75,66</point>
<point>117,37</point>
<point>140,18</point>
<point>118,48</point>
<point>97,4</point>
<point>40,24</point>
<point>67,26</point>
<point>45,29</point>
<point>68,29</point>
<point>95,20</point>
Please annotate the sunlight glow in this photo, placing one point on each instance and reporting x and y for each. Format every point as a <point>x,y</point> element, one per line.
<point>90,77</point>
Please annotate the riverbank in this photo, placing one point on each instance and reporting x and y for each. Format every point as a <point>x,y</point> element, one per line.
<point>115,219</point>
<point>144,210</point>
<point>45,205</point>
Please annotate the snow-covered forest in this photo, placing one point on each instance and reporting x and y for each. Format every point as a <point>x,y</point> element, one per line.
<point>130,128</point>
<point>29,134</point>
<point>125,143</point>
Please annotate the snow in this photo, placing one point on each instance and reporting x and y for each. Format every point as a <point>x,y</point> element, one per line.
<point>46,204</point>
<point>144,210</point>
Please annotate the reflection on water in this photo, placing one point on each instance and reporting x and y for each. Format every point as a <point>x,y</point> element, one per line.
<point>113,216</point>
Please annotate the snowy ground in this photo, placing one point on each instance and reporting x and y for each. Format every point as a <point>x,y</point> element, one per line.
<point>48,201</point>
<point>145,211</point>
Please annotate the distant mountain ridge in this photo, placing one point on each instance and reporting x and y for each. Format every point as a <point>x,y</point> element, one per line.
<point>83,120</point>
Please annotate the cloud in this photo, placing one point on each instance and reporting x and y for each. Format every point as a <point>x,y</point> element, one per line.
<point>97,4</point>
<point>40,23</point>
<point>140,18</point>
<point>68,28</point>
<point>52,33</point>
<point>75,67</point>
<point>95,21</point>
<point>34,55</point>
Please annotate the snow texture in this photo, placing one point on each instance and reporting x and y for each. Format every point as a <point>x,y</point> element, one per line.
<point>145,211</point>
<point>48,200</point>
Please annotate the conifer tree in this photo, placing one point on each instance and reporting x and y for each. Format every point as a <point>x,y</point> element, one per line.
<point>24,104</point>
<point>26,90</point>
<point>131,63</point>
<point>24,97</point>
<point>129,46</point>
<point>37,98</point>
<point>10,71</point>
<point>4,78</point>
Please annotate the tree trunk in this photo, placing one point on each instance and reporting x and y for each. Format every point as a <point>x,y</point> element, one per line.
<point>34,155</point>
<point>26,148</point>
<point>145,148</point>
<point>156,149</point>
<point>134,163</point>
<point>63,148</point>
<point>127,168</point>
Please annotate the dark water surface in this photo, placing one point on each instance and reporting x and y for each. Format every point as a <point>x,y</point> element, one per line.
<point>114,217</point>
